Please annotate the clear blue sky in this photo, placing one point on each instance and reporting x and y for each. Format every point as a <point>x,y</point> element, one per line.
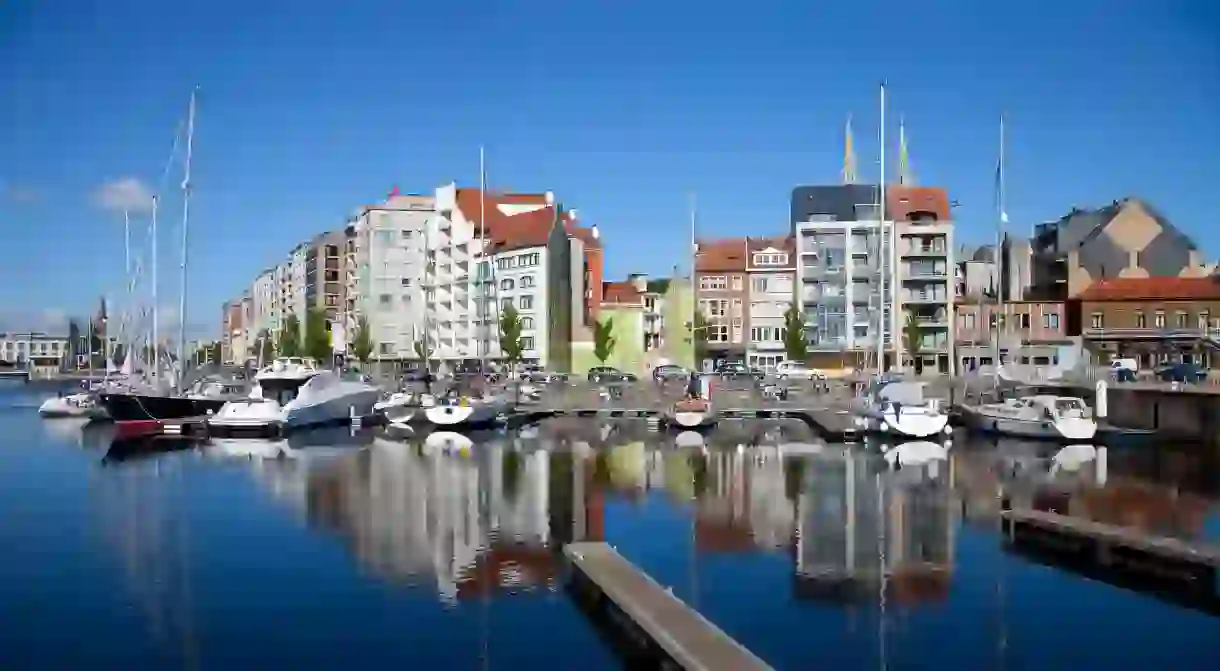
<point>309,109</point>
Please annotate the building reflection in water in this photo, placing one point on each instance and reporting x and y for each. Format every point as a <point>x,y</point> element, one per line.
<point>861,523</point>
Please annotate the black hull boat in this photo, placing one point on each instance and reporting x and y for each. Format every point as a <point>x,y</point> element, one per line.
<point>136,407</point>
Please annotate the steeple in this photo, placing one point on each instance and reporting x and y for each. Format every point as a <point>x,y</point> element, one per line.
<point>905,176</point>
<point>849,155</point>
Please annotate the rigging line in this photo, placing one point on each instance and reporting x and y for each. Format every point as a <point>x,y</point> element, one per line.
<point>169,162</point>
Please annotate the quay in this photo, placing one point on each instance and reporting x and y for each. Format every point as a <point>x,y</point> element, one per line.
<point>686,639</point>
<point>14,374</point>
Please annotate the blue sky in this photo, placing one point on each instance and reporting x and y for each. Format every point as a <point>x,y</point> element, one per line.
<point>309,109</point>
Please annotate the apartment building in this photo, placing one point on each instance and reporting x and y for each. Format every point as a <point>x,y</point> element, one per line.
<point>384,258</point>
<point>264,296</point>
<point>486,251</point>
<point>844,273</point>
<point>41,353</point>
<point>1028,332</point>
<point>324,289</point>
<point>771,269</point>
<point>924,239</point>
<point>721,292</point>
<point>234,347</point>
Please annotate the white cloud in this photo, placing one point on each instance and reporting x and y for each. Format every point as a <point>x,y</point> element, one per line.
<point>126,194</point>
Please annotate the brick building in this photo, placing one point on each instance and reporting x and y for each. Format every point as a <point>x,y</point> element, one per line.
<point>1154,319</point>
<point>721,291</point>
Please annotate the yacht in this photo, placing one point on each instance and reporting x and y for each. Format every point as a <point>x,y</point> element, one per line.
<point>1042,416</point>
<point>142,401</point>
<point>83,405</point>
<point>293,393</point>
<point>691,413</point>
<point>901,408</point>
<point>404,407</point>
<point>467,411</point>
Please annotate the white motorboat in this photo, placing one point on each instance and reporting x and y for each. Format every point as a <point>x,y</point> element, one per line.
<point>1043,416</point>
<point>916,453</point>
<point>691,414</point>
<point>442,442</point>
<point>293,394</point>
<point>404,407</point>
<point>901,408</point>
<point>83,405</point>
<point>244,448</point>
<point>467,411</point>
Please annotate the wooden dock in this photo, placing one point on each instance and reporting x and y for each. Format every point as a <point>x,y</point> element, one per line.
<point>684,635</point>
<point>1111,539</point>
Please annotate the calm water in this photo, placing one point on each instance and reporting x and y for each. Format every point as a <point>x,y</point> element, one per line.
<point>366,553</point>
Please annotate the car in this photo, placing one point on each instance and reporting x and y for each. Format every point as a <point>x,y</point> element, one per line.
<point>532,373</point>
<point>738,370</point>
<point>1182,372</point>
<point>670,372</point>
<point>610,374</point>
<point>797,370</point>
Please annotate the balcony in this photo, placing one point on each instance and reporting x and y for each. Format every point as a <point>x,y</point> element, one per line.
<point>822,272</point>
<point>917,274</point>
<point>922,250</point>
<point>924,299</point>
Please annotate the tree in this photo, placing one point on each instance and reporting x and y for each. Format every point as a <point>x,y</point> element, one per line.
<point>795,347</point>
<point>118,355</point>
<point>362,341</point>
<point>603,339</point>
<point>510,335</point>
<point>290,337</point>
<point>912,339</point>
<point>262,347</point>
<point>216,352</point>
<point>422,350</point>
<point>317,340</point>
<point>699,338</point>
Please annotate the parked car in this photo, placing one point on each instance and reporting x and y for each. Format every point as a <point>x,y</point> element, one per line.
<point>738,370</point>
<point>536,374</point>
<point>1182,372</point>
<point>670,372</point>
<point>797,370</point>
<point>609,374</point>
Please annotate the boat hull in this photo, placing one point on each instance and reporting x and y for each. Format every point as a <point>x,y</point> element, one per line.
<point>1072,429</point>
<point>80,406</point>
<point>908,424</point>
<point>132,407</point>
<point>477,414</point>
<point>340,408</point>
<point>692,419</point>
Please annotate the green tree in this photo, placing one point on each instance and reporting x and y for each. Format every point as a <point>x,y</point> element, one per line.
<point>263,348</point>
<point>699,338</point>
<point>912,340</point>
<point>317,339</point>
<point>795,347</point>
<point>290,337</point>
<point>510,335</point>
<point>422,350</point>
<point>216,352</point>
<point>362,341</point>
<point>603,339</point>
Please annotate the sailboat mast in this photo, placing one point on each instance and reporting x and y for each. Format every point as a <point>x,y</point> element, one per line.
<point>486,339</point>
<point>887,278</point>
<point>156,333</point>
<point>694,285</point>
<point>186,213</point>
<point>130,282</point>
<point>998,257</point>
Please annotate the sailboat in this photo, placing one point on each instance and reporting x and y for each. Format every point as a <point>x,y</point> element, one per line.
<point>891,405</point>
<point>695,411</point>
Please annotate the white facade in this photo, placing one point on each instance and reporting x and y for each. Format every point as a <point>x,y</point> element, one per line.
<point>771,275</point>
<point>385,261</point>
<point>456,326</point>
<point>845,275</point>
<point>521,281</point>
<point>264,294</point>
<point>23,348</point>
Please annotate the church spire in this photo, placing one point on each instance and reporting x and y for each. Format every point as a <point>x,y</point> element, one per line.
<point>849,155</point>
<point>905,176</point>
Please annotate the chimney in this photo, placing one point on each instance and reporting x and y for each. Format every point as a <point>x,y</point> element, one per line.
<point>550,197</point>
<point>639,281</point>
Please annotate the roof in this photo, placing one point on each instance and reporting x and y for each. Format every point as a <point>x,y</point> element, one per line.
<point>724,255</point>
<point>510,225</point>
<point>622,293</point>
<point>780,242</point>
<point>904,201</point>
<point>839,202</point>
<point>1153,288</point>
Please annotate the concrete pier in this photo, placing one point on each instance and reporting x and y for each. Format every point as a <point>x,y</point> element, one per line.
<point>687,639</point>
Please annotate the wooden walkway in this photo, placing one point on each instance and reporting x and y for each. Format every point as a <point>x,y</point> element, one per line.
<point>689,639</point>
<point>1112,536</point>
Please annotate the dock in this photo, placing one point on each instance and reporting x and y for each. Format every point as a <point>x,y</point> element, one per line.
<point>1112,539</point>
<point>684,636</point>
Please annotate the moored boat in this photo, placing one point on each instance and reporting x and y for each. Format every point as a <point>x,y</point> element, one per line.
<point>1041,416</point>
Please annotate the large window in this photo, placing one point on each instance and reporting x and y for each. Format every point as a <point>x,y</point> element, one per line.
<point>713,283</point>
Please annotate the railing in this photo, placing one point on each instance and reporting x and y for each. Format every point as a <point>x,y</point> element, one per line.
<point>1152,333</point>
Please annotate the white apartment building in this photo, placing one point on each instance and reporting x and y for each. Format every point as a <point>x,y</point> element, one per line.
<point>384,272</point>
<point>264,296</point>
<point>39,352</point>
<point>771,275</point>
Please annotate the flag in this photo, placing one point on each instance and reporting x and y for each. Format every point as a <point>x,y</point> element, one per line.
<point>849,155</point>
<point>393,192</point>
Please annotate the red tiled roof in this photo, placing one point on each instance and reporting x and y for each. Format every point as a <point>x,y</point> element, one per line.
<point>1153,288</point>
<point>622,293</point>
<point>724,255</point>
<point>516,230</point>
<point>901,201</point>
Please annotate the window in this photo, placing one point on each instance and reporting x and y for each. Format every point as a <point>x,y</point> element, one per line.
<point>527,302</point>
<point>406,235</point>
<point>527,281</point>
<point>1024,318</point>
<point>1180,319</point>
<point>718,333</point>
<point>529,259</point>
<point>736,307</point>
<point>505,263</point>
<point>715,308</point>
<point>1160,320</point>
<point>1141,320</point>
<point>384,299</point>
<point>406,281</point>
<point>1201,320</point>
<point>527,323</point>
<point>527,343</point>
<point>759,285</point>
<point>738,282</point>
<point>713,283</point>
<point>387,348</point>
<point>506,303</point>
<point>1096,320</point>
<point>506,284</point>
<point>1054,321</point>
<point>770,259</point>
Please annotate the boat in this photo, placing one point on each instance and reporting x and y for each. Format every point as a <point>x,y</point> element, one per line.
<point>404,407</point>
<point>915,453</point>
<point>901,408</point>
<point>444,442</point>
<point>206,396</point>
<point>82,405</point>
<point>467,411</point>
<point>1041,416</point>
<point>293,393</point>
<point>691,413</point>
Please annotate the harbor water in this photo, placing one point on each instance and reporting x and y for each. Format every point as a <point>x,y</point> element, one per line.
<point>358,551</point>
